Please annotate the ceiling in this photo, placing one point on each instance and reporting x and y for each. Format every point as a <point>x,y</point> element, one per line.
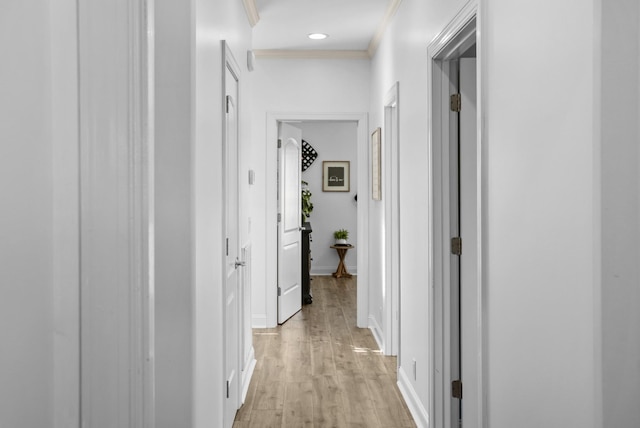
<point>280,27</point>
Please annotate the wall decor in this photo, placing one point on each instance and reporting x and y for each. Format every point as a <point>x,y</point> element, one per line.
<point>376,165</point>
<point>335,176</point>
<point>309,155</point>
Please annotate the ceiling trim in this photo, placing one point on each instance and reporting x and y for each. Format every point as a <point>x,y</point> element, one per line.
<point>310,54</point>
<point>386,20</point>
<point>252,12</point>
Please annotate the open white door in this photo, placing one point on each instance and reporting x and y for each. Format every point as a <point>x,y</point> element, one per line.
<point>231,285</point>
<point>289,222</point>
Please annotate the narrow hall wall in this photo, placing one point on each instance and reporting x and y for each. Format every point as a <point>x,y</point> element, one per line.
<point>620,211</point>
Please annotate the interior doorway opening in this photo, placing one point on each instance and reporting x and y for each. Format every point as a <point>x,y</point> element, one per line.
<point>358,184</point>
<point>325,170</point>
<point>455,224</point>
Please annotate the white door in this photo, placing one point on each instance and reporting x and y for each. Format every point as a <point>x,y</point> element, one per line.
<point>454,263</point>
<point>464,271</point>
<point>289,222</point>
<point>232,263</point>
<point>469,234</point>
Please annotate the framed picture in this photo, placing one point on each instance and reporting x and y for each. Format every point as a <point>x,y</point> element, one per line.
<point>376,165</point>
<point>335,176</point>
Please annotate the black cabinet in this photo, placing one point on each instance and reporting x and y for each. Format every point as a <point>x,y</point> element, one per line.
<point>306,263</point>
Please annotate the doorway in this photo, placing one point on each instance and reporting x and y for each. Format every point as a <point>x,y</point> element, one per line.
<point>272,212</point>
<point>455,224</point>
<point>325,148</point>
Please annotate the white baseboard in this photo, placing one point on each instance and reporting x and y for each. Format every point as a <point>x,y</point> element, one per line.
<point>259,321</point>
<point>322,272</point>
<point>247,373</point>
<point>377,332</point>
<point>328,270</point>
<point>419,413</point>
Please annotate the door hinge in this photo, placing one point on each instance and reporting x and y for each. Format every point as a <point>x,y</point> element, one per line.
<point>456,102</point>
<point>456,389</point>
<point>228,387</point>
<point>228,102</point>
<point>279,217</point>
<point>279,143</point>
<point>456,246</point>
<point>279,291</point>
<point>227,245</point>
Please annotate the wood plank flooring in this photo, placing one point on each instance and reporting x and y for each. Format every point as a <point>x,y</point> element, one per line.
<point>320,370</point>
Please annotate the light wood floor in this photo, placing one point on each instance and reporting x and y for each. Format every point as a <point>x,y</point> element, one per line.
<point>320,370</point>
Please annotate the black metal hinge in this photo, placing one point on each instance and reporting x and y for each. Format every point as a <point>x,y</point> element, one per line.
<point>456,246</point>
<point>456,389</point>
<point>456,102</point>
<point>279,143</point>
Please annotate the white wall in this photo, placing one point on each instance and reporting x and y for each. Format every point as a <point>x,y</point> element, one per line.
<point>540,298</point>
<point>173,214</point>
<point>290,86</point>
<point>540,288</point>
<point>66,215</point>
<point>334,141</point>
<point>189,204</point>
<point>26,217</point>
<point>620,212</point>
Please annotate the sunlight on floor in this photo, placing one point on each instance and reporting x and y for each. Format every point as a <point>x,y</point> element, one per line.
<point>366,350</point>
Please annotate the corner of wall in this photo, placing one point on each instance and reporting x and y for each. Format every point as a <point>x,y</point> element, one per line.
<point>410,395</point>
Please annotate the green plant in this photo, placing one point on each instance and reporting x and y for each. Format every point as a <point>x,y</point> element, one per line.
<point>341,234</point>
<point>307,206</point>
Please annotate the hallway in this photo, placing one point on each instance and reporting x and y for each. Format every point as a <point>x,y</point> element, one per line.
<point>320,370</point>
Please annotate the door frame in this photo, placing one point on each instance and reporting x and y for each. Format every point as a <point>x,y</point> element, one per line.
<point>127,103</point>
<point>363,207</point>
<point>391,199</point>
<point>454,39</point>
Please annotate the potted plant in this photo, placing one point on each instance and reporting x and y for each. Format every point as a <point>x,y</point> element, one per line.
<point>341,236</point>
<point>307,206</point>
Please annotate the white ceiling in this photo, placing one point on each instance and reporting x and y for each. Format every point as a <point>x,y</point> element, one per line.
<point>352,25</point>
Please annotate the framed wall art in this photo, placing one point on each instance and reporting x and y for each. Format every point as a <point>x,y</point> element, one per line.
<point>376,165</point>
<point>335,176</point>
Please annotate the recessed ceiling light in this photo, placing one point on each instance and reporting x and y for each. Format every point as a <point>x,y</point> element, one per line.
<point>317,36</point>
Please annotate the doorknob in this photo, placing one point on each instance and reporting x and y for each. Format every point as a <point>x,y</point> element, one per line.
<point>240,263</point>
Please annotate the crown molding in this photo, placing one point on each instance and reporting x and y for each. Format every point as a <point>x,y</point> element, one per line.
<point>310,54</point>
<point>386,20</point>
<point>252,12</point>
